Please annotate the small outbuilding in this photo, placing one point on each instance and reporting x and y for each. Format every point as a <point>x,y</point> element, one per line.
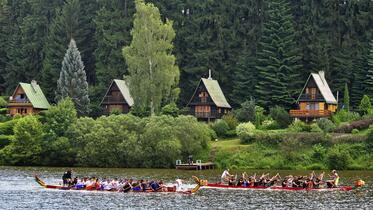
<point>117,98</point>
<point>208,101</point>
<point>316,99</point>
<point>27,98</point>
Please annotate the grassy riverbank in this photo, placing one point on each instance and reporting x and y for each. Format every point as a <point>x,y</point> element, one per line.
<point>292,154</point>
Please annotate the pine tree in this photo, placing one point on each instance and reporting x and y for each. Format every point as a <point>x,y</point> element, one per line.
<point>278,60</point>
<point>73,80</point>
<point>368,83</point>
<point>346,98</point>
<point>153,74</point>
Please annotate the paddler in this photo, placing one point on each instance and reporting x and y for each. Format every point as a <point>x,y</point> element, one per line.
<point>334,179</point>
<point>226,176</point>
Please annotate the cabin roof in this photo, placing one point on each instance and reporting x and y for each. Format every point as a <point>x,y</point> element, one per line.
<point>35,95</point>
<point>323,87</point>
<point>215,92</point>
<point>124,90</point>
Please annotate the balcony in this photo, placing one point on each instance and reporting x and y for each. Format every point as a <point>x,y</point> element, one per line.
<point>310,113</point>
<point>311,97</point>
<point>114,100</point>
<point>19,102</point>
<point>207,115</point>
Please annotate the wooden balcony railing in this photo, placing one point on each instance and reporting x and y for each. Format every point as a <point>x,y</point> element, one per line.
<point>113,99</point>
<point>310,113</point>
<point>206,114</point>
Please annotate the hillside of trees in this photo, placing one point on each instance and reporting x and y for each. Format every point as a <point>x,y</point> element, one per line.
<point>260,49</point>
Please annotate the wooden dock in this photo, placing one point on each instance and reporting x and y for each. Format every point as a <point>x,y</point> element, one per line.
<point>194,166</point>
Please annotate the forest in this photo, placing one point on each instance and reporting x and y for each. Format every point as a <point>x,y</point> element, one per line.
<point>255,49</point>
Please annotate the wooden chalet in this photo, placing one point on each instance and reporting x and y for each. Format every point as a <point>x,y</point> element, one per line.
<point>117,98</point>
<point>27,99</point>
<point>208,101</point>
<point>316,99</point>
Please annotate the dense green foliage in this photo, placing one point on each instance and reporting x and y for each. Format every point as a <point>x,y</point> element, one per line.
<point>281,116</point>
<point>232,38</point>
<point>60,139</point>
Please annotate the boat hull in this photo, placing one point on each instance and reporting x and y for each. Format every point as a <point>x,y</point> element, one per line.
<point>164,190</point>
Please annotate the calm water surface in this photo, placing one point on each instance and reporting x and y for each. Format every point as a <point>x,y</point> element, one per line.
<point>19,191</point>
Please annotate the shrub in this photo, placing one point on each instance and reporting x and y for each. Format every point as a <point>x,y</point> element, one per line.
<point>360,125</point>
<point>220,127</point>
<point>325,124</point>
<point>318,152</point>
<point>3,102</point>
<point>281,116</point>
<point>247,111</point>
<point>5,140</point>
<point>6,128</point>
<point>245,132</point>
<point>369,141</point>
<point>299,126</point>
<point>231,120</point>
<point>338,157</point>
<point>170,109</point>
<point>230,134</point>
<point>315,128</point>
<point>315,166</point>
<point>269,125</point>
<point>355,131</point>
<point>259,115</point>
<point>348,138</point>
<point>345,116</point>
<point>365,105</point>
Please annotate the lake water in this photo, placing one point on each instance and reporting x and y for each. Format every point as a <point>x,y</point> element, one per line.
<point>19,191</point>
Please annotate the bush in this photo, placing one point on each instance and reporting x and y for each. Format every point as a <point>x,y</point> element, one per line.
<point>345,116</point>
<point>369,141</point>
<point>318,152</point>
<point>170,109</point>
<point>299,126</point>
<point>3,102</point>
<point>220,127</point>
<point>338,157</point>
<point>315,166</point>
<point>247,111</point>
<point>360,125</point>
<point>355,131</point>
<point>315,128</point>
<point>325,124</point>
<point>231,120</point>
<point>6,128</point>
<point>365,105</point>
<point>281,116</point>
<point>269,125</point>
<point>245,132</point>
<point>5,140</point>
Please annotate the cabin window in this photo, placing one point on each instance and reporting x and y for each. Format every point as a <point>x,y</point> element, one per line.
<point>312,106</point>
<point>22,111</point>
<point>219,110</point>
<point>203,96</point>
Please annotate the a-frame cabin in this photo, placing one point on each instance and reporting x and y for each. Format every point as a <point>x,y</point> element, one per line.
<point>316,99</point>
<point>27,98</point>
<point>117,98</point>
<point>208,101</point>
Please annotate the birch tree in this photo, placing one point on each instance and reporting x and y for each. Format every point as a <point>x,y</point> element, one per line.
<point>153,74</point>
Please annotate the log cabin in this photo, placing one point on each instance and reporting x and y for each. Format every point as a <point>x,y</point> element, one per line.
<point>316,100</point>
<point>117,98</point>
<point>208,102</point>
<point>27,98</point>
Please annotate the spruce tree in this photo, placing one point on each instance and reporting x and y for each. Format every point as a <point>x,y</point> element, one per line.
<point>278,59</point>
<point>73,80</point>
<point>368,83</point>
<point>68,24</point>
<point>153,75</point>
<point>346,98</point>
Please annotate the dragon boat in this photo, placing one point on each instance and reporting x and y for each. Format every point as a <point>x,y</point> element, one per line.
<point>167,189</point>
<point>205,184</point>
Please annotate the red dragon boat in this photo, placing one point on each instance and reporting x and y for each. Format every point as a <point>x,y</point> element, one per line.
<point>171,189</point>
<point>205,184</point>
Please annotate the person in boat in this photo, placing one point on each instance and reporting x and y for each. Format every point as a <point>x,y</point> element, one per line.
<point>179,184</point>
<point>66,178</point>
<point>144,185</point>
<point>226,176</point>
<point>263,179</point>
<point>127,186</point>
<point>318,181</point>
<point>252,180</point>
<point>273,180</point>
<point>334,179</point>
<point>289,182</point>
<point>155,186</point>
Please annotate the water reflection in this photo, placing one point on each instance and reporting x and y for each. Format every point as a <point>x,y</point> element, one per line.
<point>18,191</point>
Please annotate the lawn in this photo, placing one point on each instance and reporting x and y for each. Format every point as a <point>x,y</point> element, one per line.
<point>229,145</point>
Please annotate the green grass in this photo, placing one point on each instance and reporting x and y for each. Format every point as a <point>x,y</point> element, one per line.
<point>229,145</point>
<point>363,132</point>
